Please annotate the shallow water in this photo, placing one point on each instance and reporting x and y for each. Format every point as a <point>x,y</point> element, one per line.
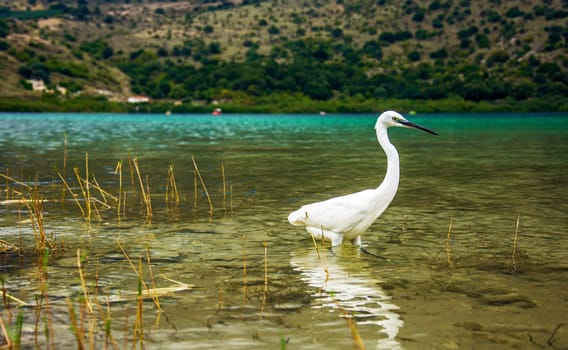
<point>256,280</point>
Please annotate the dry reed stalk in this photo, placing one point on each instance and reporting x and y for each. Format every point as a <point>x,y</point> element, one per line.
<point>124,204</point>
<point>145,196</point>
<point>154,296</point>
<point>357,340</point>
<point>7,296</point>
<point>9,180</point>
<point>168,185</point>
<point>131,167</point>
<point>108,338</point>
<point>39,306</point>
<point>44,300</point>
<point>322,260</point>
<point>152,280</point>
<point>514,264</point>
<point>171,185</point>
<point>87,187</point>
<point>96,209</point>
<point>92,319</point>
<point>73,195</point>
<point>79,181</point>
<point>78,329</point>
<point>107,328</point>
<point>16,181</point>
<point>92,331</point>
<point>7,190</point>
<point>7,341</point>
<point>81,324</point>
<point>7,247</point>
<point>224,187</point>
<point>148,196</point>
<point>231,199</point>
<point>138,334</point>
<point>64,154</point>
<point>17,332</point>
<point>118,170</point>
<point>20,233</point>
<point>448,251</point>
<point>84,192</point>
<point>194,189</point>
<point>83,283</point>
<point>103,193</point>
<point>35,210</point>
<point>6,301</point>
<point>104,204</point>
<point>203,185</point>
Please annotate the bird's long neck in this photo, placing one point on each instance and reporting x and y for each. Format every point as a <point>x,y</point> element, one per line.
<point>390,183</point>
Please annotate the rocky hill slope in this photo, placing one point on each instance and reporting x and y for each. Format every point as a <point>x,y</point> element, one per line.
<point>486,50</point>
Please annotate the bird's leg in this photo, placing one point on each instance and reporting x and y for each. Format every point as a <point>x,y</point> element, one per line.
<point>336,239</point>
<point>356,241</point>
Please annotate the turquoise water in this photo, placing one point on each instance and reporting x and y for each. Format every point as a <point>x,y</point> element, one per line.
<point>256,279</point>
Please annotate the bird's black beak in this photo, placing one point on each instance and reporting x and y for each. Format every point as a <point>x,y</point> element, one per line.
<point>416,126</point>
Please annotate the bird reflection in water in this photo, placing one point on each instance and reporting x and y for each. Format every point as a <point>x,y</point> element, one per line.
<point>349,287</point>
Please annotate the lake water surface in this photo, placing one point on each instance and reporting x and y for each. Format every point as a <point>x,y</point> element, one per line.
<point>472,253</point>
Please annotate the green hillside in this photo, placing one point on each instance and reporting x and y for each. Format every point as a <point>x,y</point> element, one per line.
<point>285,55</point>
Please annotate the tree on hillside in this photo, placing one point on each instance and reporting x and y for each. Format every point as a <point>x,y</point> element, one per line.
<point>97,48</point>
<point>4,28</point>
<point>35,70</point>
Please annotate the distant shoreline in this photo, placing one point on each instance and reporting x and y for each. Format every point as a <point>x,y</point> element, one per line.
<point>279,104</point>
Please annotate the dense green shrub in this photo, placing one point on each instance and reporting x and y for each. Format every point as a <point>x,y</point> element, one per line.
<point>26,84</point>
<point>514,12</point>
<point>97,48</point>
<point>414,56</point>
<point>4,28</point>
<point>482,41</point>
<point>493,16</point>
<point>76,70</point>
<point>497,57</point>
<point>35,70</point>
<point>440,54</point>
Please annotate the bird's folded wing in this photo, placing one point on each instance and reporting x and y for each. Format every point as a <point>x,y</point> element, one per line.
<point>340,214</point>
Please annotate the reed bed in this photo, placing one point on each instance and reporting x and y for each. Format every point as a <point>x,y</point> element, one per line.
<point>89,313</point>
<point>95,200</point>
<point>92,198</point>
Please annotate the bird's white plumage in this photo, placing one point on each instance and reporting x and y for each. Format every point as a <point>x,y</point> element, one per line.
<point>347,217</point>
<point>339,218</point>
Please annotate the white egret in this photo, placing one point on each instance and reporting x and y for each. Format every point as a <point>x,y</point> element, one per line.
<point>347,217</point>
